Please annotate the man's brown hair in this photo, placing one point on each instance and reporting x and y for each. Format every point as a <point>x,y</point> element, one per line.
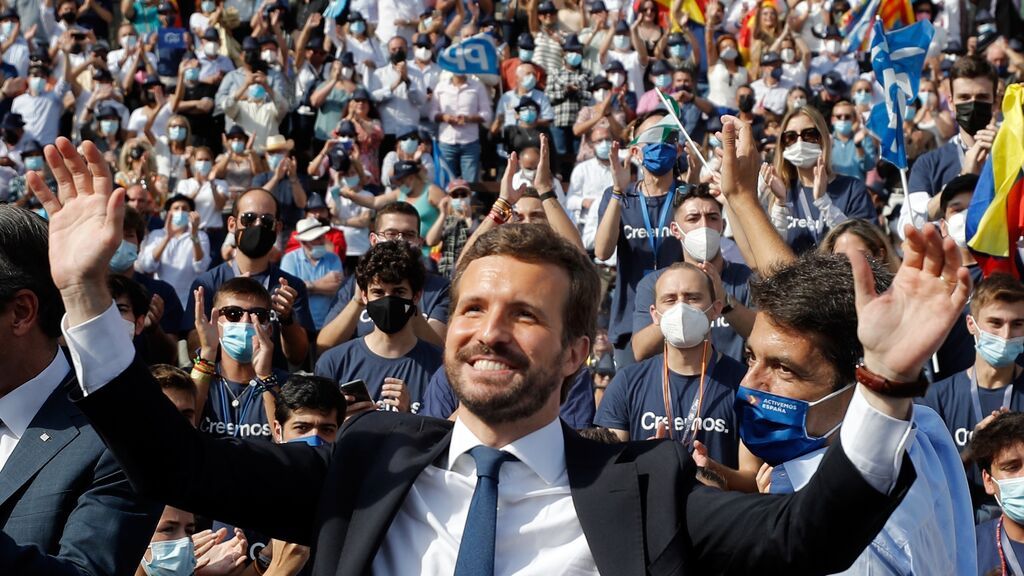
<point>996,288</point>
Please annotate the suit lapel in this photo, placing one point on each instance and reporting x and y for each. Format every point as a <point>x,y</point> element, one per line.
<point>50,431</point>
<point>386,488</point>
<point>606,496</point>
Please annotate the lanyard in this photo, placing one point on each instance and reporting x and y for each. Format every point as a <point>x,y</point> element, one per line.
<point>706,368</point>
<point>1006,553</point>
<point>654,236</point>
<point>976,400</point>
<point>230,412</point>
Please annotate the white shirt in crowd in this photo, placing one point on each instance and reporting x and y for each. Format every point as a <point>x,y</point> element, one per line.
<point>392,10</point>
<point>357,238</point>
<point>538,530</point>
<point>41,113</point>
<point>399,108</point>
<point>771,98</point>
<point>206,204</point>
<point>177,265</point>
<point>139,117</point>
<point>589,179</point>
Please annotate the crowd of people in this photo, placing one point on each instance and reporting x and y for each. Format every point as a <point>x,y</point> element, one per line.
<point>656,221</point>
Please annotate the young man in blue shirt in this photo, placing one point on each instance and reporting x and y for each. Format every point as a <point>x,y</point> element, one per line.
<point>998,448</point>
<point>394,363</point>
<point>317,266</point>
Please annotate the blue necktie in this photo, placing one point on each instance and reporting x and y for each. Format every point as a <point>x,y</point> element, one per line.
<point>476,552</point>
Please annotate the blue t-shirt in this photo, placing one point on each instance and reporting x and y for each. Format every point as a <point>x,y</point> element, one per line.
<point>170,49</point>
<point>296,262</point>
<point>222,419</point>
<point>635,257</point>
<point>577,411</point>
<point>807,230</point>
<point>934,169</point>
<point>433,304</point>
<point>634,401</point>
<point>951,399</point>
<point>212,279</point>
<point>354,360</point>
<point>735,278</point>
<point>988,549</point>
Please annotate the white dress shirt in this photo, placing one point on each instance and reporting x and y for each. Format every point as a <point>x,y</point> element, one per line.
<point>391,10</point>
<point>399,108</point>
<point>538,531</point>
<point>20,406</point>
<point>589,179</point>
<point>177,264</point>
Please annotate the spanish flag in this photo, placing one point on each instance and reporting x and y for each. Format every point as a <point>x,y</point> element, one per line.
<point>995,218</point>
<point>896,14</point>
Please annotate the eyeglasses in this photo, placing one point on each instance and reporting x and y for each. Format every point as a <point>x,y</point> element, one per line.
<point>809,135</point>
<point>235,313</point>
<point>393,235</point>
<point>247,219</point>
<point>459,194</point>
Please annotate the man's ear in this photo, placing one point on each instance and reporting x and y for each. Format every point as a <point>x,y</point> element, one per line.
<point>655,317</point>
<point>675,230</point>
<point>278,432</point>
<point>990,484</point>
<point>417,297</point>
<point>140,324</point>
<point>232,223</point>
<point>972,325</point>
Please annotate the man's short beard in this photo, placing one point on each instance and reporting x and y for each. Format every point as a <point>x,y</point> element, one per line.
<point>525,395</point>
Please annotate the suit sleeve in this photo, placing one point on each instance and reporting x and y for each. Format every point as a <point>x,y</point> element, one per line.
<point>821,529</point>
<point>107,511</point>
<point>167,460</point>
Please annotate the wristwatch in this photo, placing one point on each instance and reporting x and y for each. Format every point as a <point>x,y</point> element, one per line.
<point>728,305</point>
<point>887,387</point>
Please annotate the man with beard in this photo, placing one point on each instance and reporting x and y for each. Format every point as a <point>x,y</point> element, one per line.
<point>403,494</point>
<point>255,223</point>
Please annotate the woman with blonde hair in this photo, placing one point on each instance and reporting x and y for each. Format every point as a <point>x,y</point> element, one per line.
<point>137,165</point>
<point>807,198</point>
<point>862,236</point>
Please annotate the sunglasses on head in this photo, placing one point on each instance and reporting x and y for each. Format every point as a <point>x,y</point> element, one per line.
<point>809,135</point>
<point>248,219</point>
<point>235,313</point>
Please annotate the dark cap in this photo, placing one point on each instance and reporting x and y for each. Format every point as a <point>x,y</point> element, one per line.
<point>675,39</point>
<point>250,43</point>
<point>211,34</point>
<point>527,103</point>
<point>526,41</point>
<point>355,16</point>
<point>348,60</point>
<point>151,80</point>
<point>547,7</point>
<point>771,59</point>
<point>409,132</point>
<point>102,75</point>
<point>405,168</point>
<point>166,8</point>
<point>12,120</point>
<point>834,83</point>
<point>340,160</point>
<point>266,39</point>
<point>236,131</point>
<point>597,6</point>
<point>659,67</point>
<point>346,128</point>
<point>600,82</point>
<point>605,365</point>
<point>423,41</point>
<point>614,66</point>
<point>315,43</point>
<point>107,111</point>
<point>180,198</point>
<point>572,44</point>
<point>315,201</point>
<point>31,147</point>
<point>361,94</point>
<point>621,27</point>
<point>9,14</point>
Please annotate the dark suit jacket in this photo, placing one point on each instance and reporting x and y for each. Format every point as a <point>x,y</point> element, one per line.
<point>65,505</point>
<point>639,505</point>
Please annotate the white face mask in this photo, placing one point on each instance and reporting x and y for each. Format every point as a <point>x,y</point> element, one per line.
<point>616,79</point>
<point>702,244</point>
<point>422,54</point>
<point>802,154</point>
<point>599,95</point>
<point>729,53</point>
<point>956,227</point>
<point>788,55</point>
<point>211,49</point>
<point>833,46</point>
<point>269,56</point>
<point>346,73</point>
<point>798,103</point>
<point>684,326</point>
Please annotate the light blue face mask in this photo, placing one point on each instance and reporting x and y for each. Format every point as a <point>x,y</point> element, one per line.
<point>714,142</point>
<point>37,84</point>
<point>409,145</point>
<point>171,558</point>
<point>996,351</point>
<point>317,252</point>
<point>192,75</point>
<point>662,80</point>
<point>603,149</point>
<point>528,81</point>
<point>274,160</point>
<point>404,189</point>
<point>1011,498</point>
<point>208,6</point>
<point>124,257</point>
<point>861,97</point>
<point>357,27</point>
<point>526,55</point>
<point>7,28</point>
<point>237,146</point>
<point>679,51</point>
<point>109,126</point>
<point>459,204</point>
<point>574,59</point>
<point>257,92</point>
<point>179,219</point>
<point>351,181</point>
<point>843,127</point>
<point>621,42</point>
<point>35,163</point>
<point>236,340</point>
<point>528,115</point>
<point>177,133</point>
<point>204,167</point>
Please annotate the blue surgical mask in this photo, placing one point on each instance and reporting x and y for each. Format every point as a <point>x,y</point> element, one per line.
<point>351,181</point>
<point>34,163</point>
<point>459,204</point>
<point>679,51</point>
<point>357,27</point>
<point>257,92</point>
<point>192,75</point>
<point>427,23</point>
<point>573,59</point>
<point>237,146</point>
<point>774,428</point>
<point>124,257</point>
<point>528,115</point>
<point>923,97</point>
<point>208,6</point>
<point>177,133</point>
<point>526,55</point>
<point>996,351</point>
<point>662,80</point>
<point>109,126</point>
<point>843,127</point>
<point>313,441</point>
<point>620,42</point>
<point>317,252</point>
<point>659,158</point>
<point>404,189</point>
<point>274,160</point>
<point>603,149</point>
<point>7,28</point>
<point>171,558</point>
<point>409,145</point>
<point>714,142</point>
<point>37,84</point>
<point>179,219</point>
<point>204,167</point>
<point>861,97</point>
<point>236,340</point>
<point>129,41</point>
<point>1011,498</point>
<point>528,81</point>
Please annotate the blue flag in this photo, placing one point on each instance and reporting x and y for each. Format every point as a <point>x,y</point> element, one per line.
<point>476,55</point>
<point>442,172</point>
<point>897,58</point>
<point>335,8</point>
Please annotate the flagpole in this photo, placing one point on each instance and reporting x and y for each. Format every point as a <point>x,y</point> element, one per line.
<point>682,129</point>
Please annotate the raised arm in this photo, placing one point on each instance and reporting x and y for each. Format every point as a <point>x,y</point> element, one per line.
<point>607,236</point>
<point>557,218</point>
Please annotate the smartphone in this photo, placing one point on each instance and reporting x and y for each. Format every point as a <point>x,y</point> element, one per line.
<point>356,389</point>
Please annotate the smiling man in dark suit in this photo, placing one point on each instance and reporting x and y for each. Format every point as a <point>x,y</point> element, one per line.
<point>402,494</point>
<point>65,505</point>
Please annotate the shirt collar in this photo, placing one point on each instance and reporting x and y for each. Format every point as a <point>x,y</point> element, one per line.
<point>19,407</point>
<point>543,450</point>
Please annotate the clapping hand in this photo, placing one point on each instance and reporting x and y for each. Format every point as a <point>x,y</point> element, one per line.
<point>155,312</point>
<point>620,173</point>
<point>217,557</point>
<point>820,186</point>
<point>508,192</point>
<point>543,181</point>
<point>262,350</point>
<point>283,300</point>
<point>209,335</point>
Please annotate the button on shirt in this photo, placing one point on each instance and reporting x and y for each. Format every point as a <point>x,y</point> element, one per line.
<point>538,531</point>
<point>469,99</point>
<point>19,407</point>
<point>399,107</point>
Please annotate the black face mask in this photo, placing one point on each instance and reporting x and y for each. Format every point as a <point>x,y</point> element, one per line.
<point>390,313</point>
<point>11,137</point>
<point>68,17</point>
<point>255,241</point>
<point>398,57</point>
<point>745,102</point>
<point>973,116</point>
<point>137,153</point>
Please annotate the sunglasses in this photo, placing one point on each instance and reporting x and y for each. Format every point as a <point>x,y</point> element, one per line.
<point>809,135</point>
<point>248,219</point>
<point>235,313</point>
